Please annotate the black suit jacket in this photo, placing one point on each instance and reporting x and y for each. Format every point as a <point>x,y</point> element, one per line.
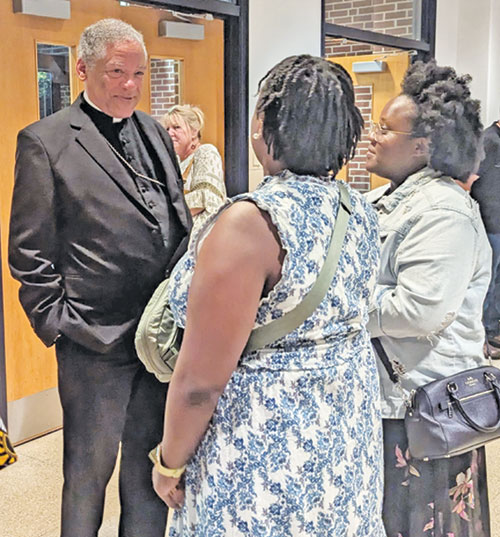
<point>87,250</point>
<point>486,190</point>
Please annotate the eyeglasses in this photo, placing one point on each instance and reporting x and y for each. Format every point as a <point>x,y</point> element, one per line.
<point>377,130</point>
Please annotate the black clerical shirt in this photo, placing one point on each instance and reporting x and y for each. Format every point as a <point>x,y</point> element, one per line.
<point>127,138</point>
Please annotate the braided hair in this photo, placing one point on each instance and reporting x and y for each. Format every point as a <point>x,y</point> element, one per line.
<point>447,116</point>
<point>310,121</point>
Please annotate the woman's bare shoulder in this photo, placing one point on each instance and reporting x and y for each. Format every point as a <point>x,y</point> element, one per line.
<point>243,231</point>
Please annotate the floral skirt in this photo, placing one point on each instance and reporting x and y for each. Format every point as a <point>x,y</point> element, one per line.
<point>439,498</point>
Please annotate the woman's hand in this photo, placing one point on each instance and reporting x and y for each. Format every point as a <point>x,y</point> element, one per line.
<point>169,489</point>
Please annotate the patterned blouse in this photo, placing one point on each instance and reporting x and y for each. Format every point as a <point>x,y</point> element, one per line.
<point>204,186</point>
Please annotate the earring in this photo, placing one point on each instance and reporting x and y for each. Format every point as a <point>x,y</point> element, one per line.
<point>193,146</point>
<point>256,135</point>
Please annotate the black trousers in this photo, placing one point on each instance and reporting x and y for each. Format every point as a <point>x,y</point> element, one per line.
<point>107,399</point>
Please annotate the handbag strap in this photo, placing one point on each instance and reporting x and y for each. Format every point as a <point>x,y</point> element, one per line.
<point>491,378</point>
<point>276,329</point>
<point>377,345</point>
<point>385,359</point>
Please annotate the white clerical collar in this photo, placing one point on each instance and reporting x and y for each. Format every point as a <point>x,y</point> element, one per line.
<point>86,97</point>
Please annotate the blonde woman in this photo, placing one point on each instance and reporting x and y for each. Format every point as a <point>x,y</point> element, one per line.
<point>201,164</point>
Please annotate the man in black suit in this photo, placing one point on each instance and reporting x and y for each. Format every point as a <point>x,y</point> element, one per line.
<point>98,220</point>
<point>486,191</point>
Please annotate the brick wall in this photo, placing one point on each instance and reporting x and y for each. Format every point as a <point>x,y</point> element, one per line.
<point>65,95</point>
<point>357,175</point>
<point>165,85</point>
<point>394,17</point>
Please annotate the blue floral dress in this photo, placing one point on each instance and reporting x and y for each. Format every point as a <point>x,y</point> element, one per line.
<point>294,447</point>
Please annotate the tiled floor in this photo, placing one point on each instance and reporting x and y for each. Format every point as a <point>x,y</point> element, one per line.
<point>32,487</point>
<point>30,491</point>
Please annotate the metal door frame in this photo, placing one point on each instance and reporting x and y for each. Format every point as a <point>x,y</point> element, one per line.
<point>235,17</point>
<point>424,47</point>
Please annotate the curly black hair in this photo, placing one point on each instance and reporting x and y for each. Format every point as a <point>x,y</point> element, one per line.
<point>310,122</point>
<point>447,116</point>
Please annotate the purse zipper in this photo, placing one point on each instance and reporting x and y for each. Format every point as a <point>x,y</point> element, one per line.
<point>475,395</point>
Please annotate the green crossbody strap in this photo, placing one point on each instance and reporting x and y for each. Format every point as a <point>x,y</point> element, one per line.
<point>264,335</point>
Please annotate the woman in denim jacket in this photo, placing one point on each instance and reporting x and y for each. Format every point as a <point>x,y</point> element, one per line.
<point>435,270</point>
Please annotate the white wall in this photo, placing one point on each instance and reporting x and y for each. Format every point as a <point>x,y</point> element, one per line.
<point>467,38</point>
<point>280,28</point>
<point>493,104</point>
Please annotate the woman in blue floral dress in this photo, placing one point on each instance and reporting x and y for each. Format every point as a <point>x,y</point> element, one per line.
<point>287,440</point>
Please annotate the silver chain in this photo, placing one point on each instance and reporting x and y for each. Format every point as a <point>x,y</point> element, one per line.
<point>400,371</point>
<point>141,175</point>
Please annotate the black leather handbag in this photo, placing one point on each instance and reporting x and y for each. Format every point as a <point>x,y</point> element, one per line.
<point>452,415</point>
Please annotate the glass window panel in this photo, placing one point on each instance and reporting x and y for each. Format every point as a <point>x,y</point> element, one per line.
<point>54,90</point>
<point>399,18</point>
<point>165,85</point>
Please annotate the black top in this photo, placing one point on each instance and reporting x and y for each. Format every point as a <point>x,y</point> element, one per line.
<point>86,246</point>
<point>126,137</point>
<point>486,190</point>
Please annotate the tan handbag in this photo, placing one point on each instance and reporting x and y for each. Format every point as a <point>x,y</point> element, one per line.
<point>158,338</point>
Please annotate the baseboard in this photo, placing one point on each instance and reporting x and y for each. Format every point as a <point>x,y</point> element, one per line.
<point>34,415</point>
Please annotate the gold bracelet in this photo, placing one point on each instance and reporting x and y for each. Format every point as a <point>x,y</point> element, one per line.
<point>155,458</point>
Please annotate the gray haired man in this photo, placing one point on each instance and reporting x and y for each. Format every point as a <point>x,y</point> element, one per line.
<point>98,219</point>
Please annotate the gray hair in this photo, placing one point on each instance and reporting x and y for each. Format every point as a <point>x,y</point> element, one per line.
<point>97,37</point>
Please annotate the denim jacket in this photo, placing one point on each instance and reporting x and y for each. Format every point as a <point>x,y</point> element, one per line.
<point>434,274</point>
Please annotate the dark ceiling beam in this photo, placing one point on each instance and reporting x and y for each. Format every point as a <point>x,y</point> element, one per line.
<point>375,38</point>
<point>216,7</point>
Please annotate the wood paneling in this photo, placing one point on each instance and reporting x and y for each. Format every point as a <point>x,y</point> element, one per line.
<point>30,367</point>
